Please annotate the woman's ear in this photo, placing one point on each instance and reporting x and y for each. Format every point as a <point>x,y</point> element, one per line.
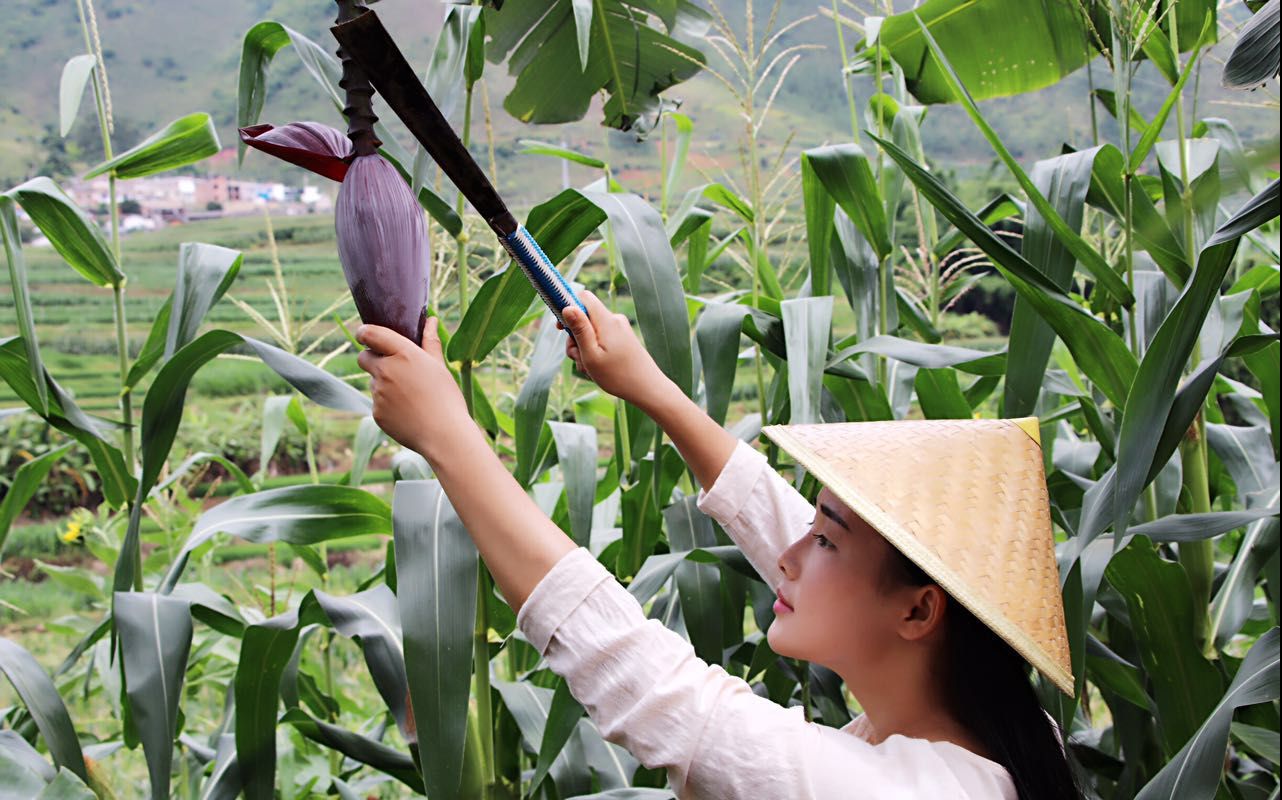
<point>923,612</point>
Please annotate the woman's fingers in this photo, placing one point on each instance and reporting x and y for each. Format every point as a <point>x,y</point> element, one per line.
<point>596,309</point>
<point>367,359</point>
<point>383,341</point>
<point>432,338</point>
<point>580,326</point>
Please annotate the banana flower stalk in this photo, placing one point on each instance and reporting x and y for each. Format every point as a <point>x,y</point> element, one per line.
<point>382,236</point>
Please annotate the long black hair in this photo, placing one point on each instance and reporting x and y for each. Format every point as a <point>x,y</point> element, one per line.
<point>987,689</point>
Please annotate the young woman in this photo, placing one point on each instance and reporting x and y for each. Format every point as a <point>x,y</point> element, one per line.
<point>949,710</point>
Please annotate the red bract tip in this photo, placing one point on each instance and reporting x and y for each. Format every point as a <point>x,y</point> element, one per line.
<point>310,145</point>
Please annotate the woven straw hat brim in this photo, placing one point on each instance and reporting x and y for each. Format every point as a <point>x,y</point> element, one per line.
<point>896,476</point>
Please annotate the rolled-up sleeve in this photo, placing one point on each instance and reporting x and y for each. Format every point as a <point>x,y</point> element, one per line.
<point>758,509</point>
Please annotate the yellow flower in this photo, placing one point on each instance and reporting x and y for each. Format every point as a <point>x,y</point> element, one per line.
<point>72,533</point>
<point>79,518</point>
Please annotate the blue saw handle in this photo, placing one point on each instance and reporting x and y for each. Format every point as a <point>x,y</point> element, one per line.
<point>547,280</point>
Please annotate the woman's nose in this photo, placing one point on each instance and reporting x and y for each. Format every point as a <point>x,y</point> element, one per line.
<point>788,561</point>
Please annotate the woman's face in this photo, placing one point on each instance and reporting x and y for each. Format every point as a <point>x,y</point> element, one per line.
<point>832,609</point>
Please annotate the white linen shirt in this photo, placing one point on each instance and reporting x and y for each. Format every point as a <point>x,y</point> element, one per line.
<point>647,691</point>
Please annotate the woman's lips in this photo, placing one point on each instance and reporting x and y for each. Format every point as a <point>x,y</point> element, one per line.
<point>781,606</point>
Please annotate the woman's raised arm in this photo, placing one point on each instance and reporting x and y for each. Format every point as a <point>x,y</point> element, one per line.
<point>760,511</point>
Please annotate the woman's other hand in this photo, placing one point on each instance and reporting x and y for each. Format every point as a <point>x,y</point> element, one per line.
<point>606,349</point>
<point>416,401</point>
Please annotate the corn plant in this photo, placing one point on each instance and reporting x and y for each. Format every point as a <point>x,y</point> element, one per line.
<point>1143,275</point>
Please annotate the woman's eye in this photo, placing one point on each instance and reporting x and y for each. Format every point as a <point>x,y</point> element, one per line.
<point>822,541</point>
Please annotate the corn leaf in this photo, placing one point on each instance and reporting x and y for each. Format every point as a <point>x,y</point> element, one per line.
<point>1195,770</point>
<point>1150,134</point>
<point>1152,233</point>
<point>533,147</point>
<point>71,88</point>
<point>23,770</point>
<point>265,650</point>
<point>223,782</point>
<point>1064,181</point>
<point>438,611</point>
<point>530,706</point>
<point>807,324</point>
<point>372,618</point>
<point>941,395</point>
<point>858,267</point>
<point>844,171</point>
<point>718,333</point>
<point>66,786</point>
<point>819,227</point>
<point>368,439</point>
<point>361,749</point>
<point>685,130</point>
<point>576,452</point>
<point>184,141</point>
<point>117,484</point>
<point>155,640</point>
<point>1236,595</point>
<point>1185,685</point>
<point>929,356</point>
<point>1203,170</point>
<point>76,237</point>
<point>23,484</point>
<point>1247,455</point>
<point>642,513</point>
<point>205,272</point>
<point>305,514</point>
<point>1264,366</point>
<point>22,303</point>
<point>1255,54</point>
<point>563,716</point>
<point>532,401</point>
<point>45,705</point>
<point>698,585</point>
<point>447,76</point>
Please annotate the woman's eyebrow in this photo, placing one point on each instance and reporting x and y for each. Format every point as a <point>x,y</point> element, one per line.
<point>831,513</point>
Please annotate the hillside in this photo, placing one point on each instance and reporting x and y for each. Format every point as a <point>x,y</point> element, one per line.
<point>167,58</point>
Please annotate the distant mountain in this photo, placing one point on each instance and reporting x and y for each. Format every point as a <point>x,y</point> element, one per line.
<point>166,58</point>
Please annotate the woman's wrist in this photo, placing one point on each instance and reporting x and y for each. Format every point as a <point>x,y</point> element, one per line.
<point>438,444</point>
<point>664,402</point>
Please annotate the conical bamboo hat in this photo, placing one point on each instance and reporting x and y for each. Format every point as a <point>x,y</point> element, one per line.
<point>966,501</point>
